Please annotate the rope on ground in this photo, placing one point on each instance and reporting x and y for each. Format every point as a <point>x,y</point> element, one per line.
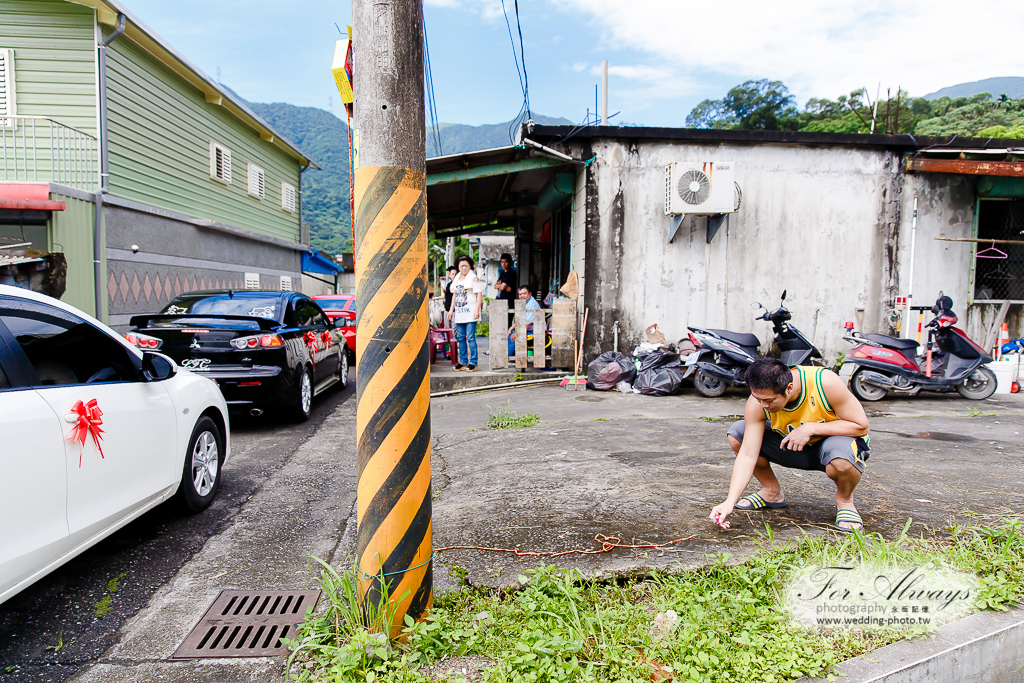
<point>608,543</point>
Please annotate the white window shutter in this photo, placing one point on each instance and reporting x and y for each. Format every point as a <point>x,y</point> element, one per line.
<point>252,280</point>
<point>286,283</point>
<point>256,181</point>
<point>288,197</point>
<point>220,163</point>
<point>8,104</point>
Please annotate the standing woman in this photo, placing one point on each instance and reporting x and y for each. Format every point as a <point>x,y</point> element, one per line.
<point>467,300</point>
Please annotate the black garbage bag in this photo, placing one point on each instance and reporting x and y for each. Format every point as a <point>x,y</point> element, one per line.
<point>659,381</point>
<point>661,358</point>
<point>608,369</point>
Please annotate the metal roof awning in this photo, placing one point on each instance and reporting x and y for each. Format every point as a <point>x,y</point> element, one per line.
<point>471,190</point>
<point>315,262</point>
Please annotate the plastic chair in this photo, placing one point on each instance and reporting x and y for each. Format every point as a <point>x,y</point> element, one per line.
<point>441,337</point>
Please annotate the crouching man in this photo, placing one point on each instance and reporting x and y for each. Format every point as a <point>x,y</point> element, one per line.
<point>804,418</point>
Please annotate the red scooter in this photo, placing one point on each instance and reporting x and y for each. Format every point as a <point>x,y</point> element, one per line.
<point>879,363</point>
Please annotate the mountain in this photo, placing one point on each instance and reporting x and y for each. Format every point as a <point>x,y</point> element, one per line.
<point>457,138</point>
<point>324,137</point>
<point>1011,86</point>
<point>325,193</point>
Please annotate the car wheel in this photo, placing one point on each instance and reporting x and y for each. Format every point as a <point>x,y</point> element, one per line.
<point>343,369</point>
<point>302,406</point>
<point>708,385</point>
<point>979,385</point>
<point>864,391</point>
<point>200,478</point>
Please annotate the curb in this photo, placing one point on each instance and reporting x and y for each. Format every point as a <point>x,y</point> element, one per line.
<point>986,646</point>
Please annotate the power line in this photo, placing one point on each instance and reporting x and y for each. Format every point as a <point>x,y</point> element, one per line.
<point>520,69</point>
<point>431,101</point>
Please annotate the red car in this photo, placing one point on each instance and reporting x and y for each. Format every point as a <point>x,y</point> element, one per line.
<point>343,307</point>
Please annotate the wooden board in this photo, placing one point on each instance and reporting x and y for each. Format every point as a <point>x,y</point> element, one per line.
<point>563,333</point>
<point>498,346</point>
<point>521,346</point>
<point>539,352</point>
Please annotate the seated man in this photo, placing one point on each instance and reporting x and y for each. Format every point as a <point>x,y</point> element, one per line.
<point>804,418</point>
<point>531,305</point>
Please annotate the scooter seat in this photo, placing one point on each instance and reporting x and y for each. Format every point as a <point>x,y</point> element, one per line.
<point>741,338</point>
<point>892,342</point>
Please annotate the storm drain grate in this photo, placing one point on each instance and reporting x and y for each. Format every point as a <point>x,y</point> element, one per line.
<point>247,624</point>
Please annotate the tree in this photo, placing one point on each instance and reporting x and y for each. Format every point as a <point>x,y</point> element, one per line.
<point>753,105</point>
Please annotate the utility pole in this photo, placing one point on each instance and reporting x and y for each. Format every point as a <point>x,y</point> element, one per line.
<point>393,411</point>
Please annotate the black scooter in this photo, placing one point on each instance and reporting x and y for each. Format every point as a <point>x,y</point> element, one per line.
<point>879,363</point>
<point>725,355</point>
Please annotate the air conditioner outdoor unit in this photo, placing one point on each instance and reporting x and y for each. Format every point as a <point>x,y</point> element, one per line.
<point>700,188</point>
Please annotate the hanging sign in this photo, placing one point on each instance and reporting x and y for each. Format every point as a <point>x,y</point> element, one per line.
<point>342,70</point>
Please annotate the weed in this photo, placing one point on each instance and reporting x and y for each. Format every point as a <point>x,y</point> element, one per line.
<point>101,608</point>
<point>975,412</point>
<point>60,643</point>
<point>840,357</point>
<point>564,626</point>
<point>519,377</point>
<point>510,419</point>
<point>601,419</point>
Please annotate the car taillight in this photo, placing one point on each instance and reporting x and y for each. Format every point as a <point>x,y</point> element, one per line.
<point>143,341</point>
<point>264,340</point>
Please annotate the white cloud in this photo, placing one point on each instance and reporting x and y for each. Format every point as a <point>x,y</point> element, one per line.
<point>446,4</point>
<point>817,49</point>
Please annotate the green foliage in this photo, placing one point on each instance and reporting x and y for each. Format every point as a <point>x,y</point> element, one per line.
<point>510,419</point>
<point>325,193</point>
<point>483,329</point>
<point>976,116</point>
<point>753,105</point>
<point>562,626</point>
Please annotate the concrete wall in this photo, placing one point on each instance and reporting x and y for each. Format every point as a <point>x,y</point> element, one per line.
<point>176,256</point>
<point>829,224</point>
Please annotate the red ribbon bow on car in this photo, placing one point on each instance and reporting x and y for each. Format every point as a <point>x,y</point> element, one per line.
<point>311,343</point>
<point>89,421</point>
<point>326,338</point>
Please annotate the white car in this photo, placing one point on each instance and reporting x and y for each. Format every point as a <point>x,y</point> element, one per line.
<point>93,433</point>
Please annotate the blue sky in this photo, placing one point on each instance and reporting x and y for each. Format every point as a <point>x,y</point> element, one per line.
<point>665,56</point>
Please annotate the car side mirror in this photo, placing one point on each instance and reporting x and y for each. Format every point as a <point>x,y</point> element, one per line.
<point>156,367</point>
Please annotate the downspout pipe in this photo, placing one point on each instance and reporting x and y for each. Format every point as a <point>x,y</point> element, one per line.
<point>104,184</point>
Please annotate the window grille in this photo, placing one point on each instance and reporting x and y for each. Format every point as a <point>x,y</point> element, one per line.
<point>7,101</point>
<point>256,181</point>
<point>220,163</point>
<point>288,197</point>
<point>1000,278</point>
<point>252,280</point>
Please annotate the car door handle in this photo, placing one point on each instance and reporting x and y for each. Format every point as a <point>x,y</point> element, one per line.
<point>71,418</point>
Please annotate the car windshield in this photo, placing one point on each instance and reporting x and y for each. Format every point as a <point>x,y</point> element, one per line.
<point>337,303</point>
<point>236,303</point>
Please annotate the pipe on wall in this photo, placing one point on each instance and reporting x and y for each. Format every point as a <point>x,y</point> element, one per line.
<point>104,184</point>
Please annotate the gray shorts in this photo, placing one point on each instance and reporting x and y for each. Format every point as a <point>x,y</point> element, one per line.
<point>814,456</point>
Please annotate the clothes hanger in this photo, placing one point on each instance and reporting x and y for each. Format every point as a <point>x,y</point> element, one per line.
<point>1000,274</point>
<point>996,253</point>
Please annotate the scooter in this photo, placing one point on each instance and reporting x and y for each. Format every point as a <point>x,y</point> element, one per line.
<point>725,355</point>
<point>879,363</point>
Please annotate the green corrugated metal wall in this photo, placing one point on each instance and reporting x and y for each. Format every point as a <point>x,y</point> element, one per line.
<point>160,128</point>
<point>54,59</point>
<point>71,233</point>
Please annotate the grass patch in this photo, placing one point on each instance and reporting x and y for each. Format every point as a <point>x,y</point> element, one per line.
<point>975,412</point>
<point>601,419</point>
<point>101,608</point>
<point>510,419</point>
<point>722,418</point>
<point>561,626</point>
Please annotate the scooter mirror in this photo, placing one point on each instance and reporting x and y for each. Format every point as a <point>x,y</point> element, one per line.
<point>783,295</point>
<point>756,306</point>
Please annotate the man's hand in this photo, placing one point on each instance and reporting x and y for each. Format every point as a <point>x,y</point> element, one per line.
<point>798,438</point>
<point>720,512</point>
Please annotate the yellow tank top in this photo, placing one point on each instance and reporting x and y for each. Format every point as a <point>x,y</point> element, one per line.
<point>812,406</point>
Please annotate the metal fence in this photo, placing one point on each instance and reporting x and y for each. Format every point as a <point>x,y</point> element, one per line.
<point>37,148</point>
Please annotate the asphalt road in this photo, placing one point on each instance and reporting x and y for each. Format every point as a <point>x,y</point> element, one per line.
<point>68,619</point>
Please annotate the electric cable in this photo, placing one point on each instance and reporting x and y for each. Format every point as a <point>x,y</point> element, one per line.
<point>431,101</point>
<point>520,69</point>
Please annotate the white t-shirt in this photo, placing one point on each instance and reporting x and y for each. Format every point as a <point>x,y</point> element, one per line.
<point>464,291</point>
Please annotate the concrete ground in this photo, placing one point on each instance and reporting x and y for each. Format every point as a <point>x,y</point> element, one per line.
<point>443,376</point>
<point>649,470</point>
<point>639,468</point>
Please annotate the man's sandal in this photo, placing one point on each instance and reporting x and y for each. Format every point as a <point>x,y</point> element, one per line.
<point>755,503</point>
<point>851,517</point>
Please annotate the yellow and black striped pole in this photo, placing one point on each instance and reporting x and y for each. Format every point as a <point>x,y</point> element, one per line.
<point>393,372</point>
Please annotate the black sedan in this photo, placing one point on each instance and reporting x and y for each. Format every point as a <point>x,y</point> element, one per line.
<point>264,349</point>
